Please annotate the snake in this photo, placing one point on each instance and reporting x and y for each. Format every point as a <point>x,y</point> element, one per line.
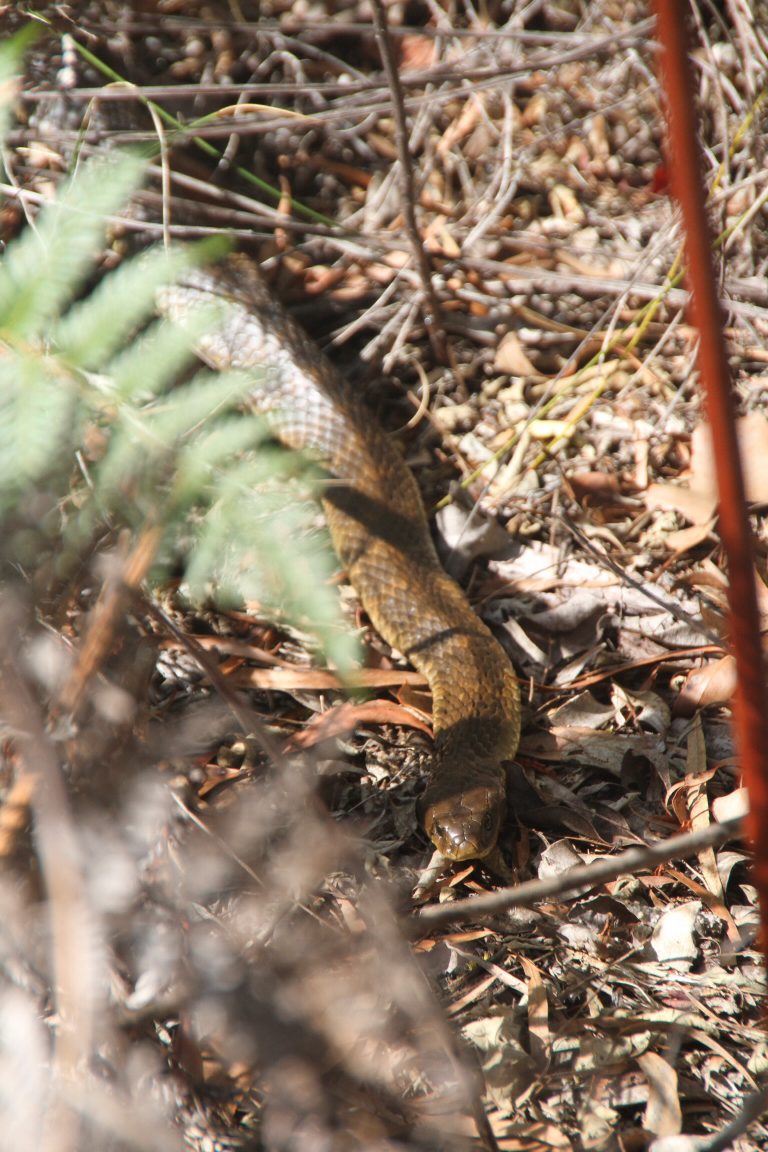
<point>379,530</point>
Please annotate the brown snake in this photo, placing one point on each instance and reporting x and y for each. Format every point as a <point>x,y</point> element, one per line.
<point>379,530</point>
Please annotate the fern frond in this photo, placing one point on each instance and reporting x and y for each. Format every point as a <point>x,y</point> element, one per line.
<point>11,54</point>
<point>152,361</point>
<point>259,542</point>
<point>38,422</point>
<point>46,266</point>
<point>99,371</point>
<point>95,328</point>
<point>146,438</point>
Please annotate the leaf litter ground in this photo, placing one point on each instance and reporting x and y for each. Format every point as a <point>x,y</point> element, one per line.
<point>250,901</point>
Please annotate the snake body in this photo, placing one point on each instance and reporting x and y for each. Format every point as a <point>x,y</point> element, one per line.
<point>379,530</point>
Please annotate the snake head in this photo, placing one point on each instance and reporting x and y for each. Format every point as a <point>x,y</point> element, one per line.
<point>466,824</point>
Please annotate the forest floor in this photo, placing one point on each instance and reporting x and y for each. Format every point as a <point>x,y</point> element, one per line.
<point>209,936</point>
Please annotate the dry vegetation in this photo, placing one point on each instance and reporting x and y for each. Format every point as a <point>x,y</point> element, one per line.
<point>207,937</point>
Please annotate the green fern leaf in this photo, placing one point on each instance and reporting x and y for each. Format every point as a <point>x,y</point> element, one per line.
<point>46,266</point>
<point>38,422</point>
<point>96,328</point>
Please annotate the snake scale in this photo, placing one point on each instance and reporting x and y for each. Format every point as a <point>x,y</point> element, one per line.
<point>379,530</point>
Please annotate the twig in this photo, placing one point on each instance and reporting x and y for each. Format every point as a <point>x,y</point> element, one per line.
<point>432,316</point>
<point>245,718</point>
<point>663,600</point>
<point>751,700</point>
<point>582,876</point>
<point>71,924</point>
<point>124,574</point>
<point>753,1107</point>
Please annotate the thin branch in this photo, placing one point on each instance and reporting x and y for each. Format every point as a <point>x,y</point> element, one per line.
<point>751,701</point>
<point>751,1110</point>
<point>432,316</point>
<point>574,879</point>
<point>74,976</point>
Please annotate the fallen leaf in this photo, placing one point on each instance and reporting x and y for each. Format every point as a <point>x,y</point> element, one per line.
<point>696,506</point>
<point>470,115</point>
<point>566,204</point>
<point>672,941</point>
<point>697,501</point>
<point>417,53</point>
<point>538,1014</point>
<point>698,803</point>
<point>582,711</point>
<point>687,538</point>
<point>511,358</point>
<point>309,679</point>
<point>347,716</point>
<point>558,858</point>
<point>715,683</point>
<point>537,1134</point>
<point>595,487</point>
<point>663,1114</point>
<point>584,746</point>
<point>464,534</point>
<point>733,804</point>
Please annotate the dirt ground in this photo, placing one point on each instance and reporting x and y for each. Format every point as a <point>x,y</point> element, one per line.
<point>209,937</point>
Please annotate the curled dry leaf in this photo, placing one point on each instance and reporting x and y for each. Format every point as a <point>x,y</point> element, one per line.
<point>595,487</point>
<point>697,501</point>
<point>663,1114</point>
<point>511,358</point>
<point>673,940</point>
<point>558,858</point>
<point>347,716</point>
<point>715,683</point>
<point>466,533</point>
<point>734,804</point>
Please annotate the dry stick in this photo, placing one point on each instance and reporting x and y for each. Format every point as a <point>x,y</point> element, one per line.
<point>432,317</point>
<point>72,946</point>
<point>582,876</point>
<point>752,1109</point>
<point>247,720</point>
<point>751,700</point>
<point>107,615</point>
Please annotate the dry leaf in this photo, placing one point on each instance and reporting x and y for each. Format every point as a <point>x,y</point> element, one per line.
<point>696,506</point>
<point>688,538</point>
<point>346,717</point>
<point>524,1137</point>
<point>673,941</point>
<point>511,357</point>
<point>663,1114</point>
<point>417,53</point>
<point>715,683</point>
<point>465,123</point>
<point>566,204</point>
<point>538,1014</point>
<point>582,711</point>
<point>698,501</point>
<point>735,803</point>
<point>698,804</point>
<point>307,679</point>
<point>558,858</point>
<point>596,487</point>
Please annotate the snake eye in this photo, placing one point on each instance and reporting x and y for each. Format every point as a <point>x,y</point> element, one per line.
<point>488,822</point>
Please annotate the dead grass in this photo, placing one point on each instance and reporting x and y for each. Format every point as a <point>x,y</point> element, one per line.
<point>205,938</point>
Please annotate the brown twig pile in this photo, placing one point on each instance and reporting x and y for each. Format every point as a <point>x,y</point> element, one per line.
<point>207,935</point>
